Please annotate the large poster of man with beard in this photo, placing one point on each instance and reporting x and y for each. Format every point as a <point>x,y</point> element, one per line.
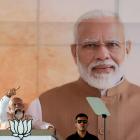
<point>99,50</point>
<point>39,41</point>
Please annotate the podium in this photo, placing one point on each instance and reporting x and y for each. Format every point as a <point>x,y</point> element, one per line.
<point>35,135</point>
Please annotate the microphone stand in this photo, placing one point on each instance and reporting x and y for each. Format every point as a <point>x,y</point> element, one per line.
<point>104,116</point>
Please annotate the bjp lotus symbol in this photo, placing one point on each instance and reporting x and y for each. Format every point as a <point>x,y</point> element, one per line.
<point>20,128</point>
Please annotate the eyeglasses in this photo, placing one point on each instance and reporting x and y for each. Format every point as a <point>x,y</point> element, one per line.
<point>111,44</point>
<point>82,121</point>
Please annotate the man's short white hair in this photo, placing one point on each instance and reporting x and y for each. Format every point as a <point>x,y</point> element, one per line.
<point>95,14</point>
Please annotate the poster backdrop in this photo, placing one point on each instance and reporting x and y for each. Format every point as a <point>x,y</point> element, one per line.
<point>35,38</point>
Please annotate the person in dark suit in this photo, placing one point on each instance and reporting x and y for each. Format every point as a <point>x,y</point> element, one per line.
<point>81,124</point>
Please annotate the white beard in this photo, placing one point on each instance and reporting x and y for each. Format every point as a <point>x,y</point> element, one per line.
<point>103,80</point>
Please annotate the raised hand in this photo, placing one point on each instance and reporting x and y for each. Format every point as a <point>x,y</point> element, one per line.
<point>12,92</point>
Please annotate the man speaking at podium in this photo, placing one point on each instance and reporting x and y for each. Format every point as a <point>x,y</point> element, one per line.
<point>13,108</point>
<point>100,51</point>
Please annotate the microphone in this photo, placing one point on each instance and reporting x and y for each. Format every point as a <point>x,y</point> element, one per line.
<point>19,114</point>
